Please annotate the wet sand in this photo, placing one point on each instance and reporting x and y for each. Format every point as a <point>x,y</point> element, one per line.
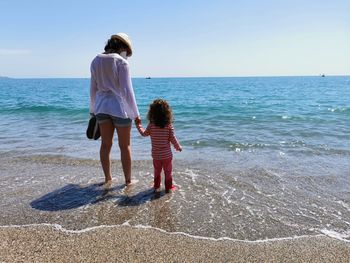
<point>59,190</point>
<point>129,244</point>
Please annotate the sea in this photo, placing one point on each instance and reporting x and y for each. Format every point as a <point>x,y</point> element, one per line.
<point>263,157</point>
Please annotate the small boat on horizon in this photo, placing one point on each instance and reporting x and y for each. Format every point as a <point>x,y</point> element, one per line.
<point>148,77</point>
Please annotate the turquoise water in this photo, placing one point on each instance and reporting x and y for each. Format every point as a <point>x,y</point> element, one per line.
<point>289,115</point>
<point>262,157</point>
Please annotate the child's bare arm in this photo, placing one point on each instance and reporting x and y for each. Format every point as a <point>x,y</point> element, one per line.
<point>142,131</point>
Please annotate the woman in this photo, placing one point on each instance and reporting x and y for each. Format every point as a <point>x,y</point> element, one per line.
<point>113,102</point>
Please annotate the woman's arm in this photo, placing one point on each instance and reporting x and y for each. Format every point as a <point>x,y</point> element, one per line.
<point>93,90</point>
<point>125,82</point>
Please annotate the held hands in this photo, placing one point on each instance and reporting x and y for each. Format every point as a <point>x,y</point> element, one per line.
<point>179,149</point>
<point>138,121</point>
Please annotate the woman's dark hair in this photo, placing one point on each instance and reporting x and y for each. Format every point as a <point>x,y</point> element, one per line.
<point>114,45</point>
<point>160,113</point>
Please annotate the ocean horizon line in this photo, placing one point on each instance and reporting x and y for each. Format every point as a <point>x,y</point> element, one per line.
<point>188,77</point>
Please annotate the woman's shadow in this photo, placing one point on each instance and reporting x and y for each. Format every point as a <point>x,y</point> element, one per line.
<point>74,196</point>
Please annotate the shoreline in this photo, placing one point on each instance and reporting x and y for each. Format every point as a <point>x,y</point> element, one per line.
<point>45,243</point>
<point>59,227</point>
<point>68,192</point>
<point>55,211</point>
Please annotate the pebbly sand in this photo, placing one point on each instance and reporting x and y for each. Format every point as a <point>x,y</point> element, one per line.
<point>45,243</point>
<point>52,211</point>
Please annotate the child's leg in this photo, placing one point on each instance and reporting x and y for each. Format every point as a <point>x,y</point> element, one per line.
<point>157,165</point>
<point>168,169</point>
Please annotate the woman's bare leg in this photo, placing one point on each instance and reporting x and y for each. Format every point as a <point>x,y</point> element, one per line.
<point>107,133</point>
<point>125,151</point>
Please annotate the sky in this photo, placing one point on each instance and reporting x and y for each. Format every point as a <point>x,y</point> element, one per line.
<point>182,38</point>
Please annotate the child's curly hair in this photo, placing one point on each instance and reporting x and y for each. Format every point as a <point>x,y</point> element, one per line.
<point>160,113</point>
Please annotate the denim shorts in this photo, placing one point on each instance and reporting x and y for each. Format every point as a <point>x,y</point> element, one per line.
<point>117,122</point>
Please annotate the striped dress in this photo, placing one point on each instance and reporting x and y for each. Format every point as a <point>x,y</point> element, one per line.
<point>161,139</point>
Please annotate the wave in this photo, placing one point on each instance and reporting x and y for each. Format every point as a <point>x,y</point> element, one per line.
<point>323,233</point>
<point>293,146</point>
<point>339,110</point>
<point>44,109</point>
<point>227,144</point>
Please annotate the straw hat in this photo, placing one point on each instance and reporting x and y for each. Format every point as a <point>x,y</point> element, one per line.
<point>124,38</point>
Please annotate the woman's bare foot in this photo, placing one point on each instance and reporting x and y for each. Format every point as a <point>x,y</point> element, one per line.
<point>108,179</point>
<point>131,182</point>
<point>108,182</point>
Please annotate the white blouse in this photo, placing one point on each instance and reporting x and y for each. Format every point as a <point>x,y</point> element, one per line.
<point>111,90</point>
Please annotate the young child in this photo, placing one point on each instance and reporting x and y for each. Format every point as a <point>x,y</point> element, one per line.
<point>161,130</point>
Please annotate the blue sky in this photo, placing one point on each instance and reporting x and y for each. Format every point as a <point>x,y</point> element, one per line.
<point>177,38</point>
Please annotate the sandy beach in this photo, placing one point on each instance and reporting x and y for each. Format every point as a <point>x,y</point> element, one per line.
<point>130,244</point>
<point>54,210</point>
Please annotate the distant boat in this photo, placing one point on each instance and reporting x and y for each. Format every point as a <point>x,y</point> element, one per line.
<point>148,77</point>
<point>323,75</point>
